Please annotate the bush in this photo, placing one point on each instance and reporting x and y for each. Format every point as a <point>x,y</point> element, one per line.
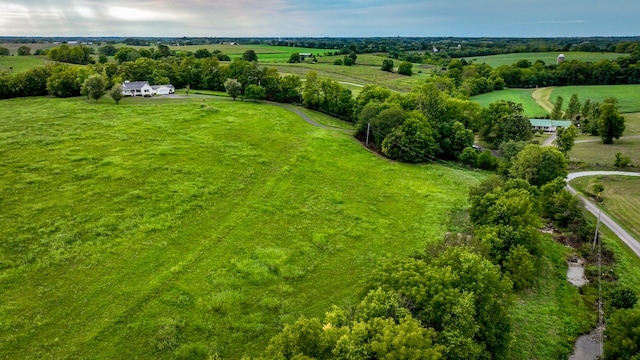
<point>469,156</point>
<point>487,161</point>
<point>405,68</point>
<point>338,62</point>
<point>622,161</point>
<point>623,297</point>
<point>387,65</point>
<point>348,61</point>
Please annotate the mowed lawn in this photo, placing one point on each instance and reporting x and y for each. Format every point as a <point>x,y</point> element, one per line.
<point>621,198</point>
<point>628,96</point>
<point>518,96</point>
<point>155,226</point>
<point>548,57</point>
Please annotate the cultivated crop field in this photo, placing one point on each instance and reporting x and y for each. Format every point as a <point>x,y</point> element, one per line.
<point>155,226</point>
<point>518,96</point>
<point>548,57</point>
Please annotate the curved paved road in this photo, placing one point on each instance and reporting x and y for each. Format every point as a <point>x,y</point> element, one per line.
<point>599,140</point>
<point>633,244</point>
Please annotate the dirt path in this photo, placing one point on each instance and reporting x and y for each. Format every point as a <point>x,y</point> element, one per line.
<point>543,97</point>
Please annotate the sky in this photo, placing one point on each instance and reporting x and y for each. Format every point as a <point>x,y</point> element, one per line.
<point>319,18</point>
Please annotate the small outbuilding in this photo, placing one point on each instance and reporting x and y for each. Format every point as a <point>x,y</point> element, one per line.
<point>163,89</point>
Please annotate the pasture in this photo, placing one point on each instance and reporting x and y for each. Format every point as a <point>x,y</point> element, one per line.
<point>18,64</point>
<point>548,57</point>
<point>518,96</point>
<point>597,154</point>
<point>161,225</point>
<point>627,95</point>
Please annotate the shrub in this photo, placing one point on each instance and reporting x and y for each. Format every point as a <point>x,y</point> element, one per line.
<point>338,62</point>
<point>622,161</point>
<point>405,68</point>
<point>623,297</point>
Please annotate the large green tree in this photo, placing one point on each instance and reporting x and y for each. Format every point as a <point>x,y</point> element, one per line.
<point>611,123</point>
<point>250,55</point>
<point>24,50</point>
<point>387,65</point>
<point>63,82</point>
<point>233,88</point>
<point>412,141</point>
<point>565,138</point>
<point>116,93</point>
<point>405,68</point>
<point>539,164</point>
<point>93,87</point>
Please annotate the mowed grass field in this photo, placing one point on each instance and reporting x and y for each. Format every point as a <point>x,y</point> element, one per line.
<point>155,226</point>
<point>621,198</point>
<point>518,96</point>
<point>628,96</point>
<point>548,57</point>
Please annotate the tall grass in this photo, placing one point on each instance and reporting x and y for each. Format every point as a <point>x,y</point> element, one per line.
<point>160,228</point>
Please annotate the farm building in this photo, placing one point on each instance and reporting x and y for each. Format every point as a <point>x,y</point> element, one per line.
<point>548,126</point>
<point>142,88</point>
<point>305,55</point>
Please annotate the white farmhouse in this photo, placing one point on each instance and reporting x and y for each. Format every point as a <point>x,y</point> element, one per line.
<point>142,88</point>
<point>137,88</point>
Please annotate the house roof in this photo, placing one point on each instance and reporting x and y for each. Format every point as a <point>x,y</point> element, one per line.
<point>549,123</point>
<point>134,85</point>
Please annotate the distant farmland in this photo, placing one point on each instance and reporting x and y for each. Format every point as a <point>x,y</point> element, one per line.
<point>548,57</point>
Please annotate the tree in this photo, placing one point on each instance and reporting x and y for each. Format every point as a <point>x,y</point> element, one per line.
<point>24,50</point>
<point>487,161</point>
<point>565,138</point>
<point>311,92</point>
<point>611,123</point>
<point>116,93</point>
<point>107,50</point>
<point>573,108</point>
<point>598,189</point>
<point>539,164</point>
<point>294,58</point>
<point>250,55</point>
<point>347,61</point>
<point>4,51</point>
<point>338,62</point>
<point>103,59</point>
<point>94,87</point>
<point>63,82</point>
<point>511,148</point>
<point>387,65</point>
<point>623,335</point>
<point>556,113</point>
<point>255,92</point>
<point>412,141</point>
<point>233,88</point>
<point>202,53</point>
<point>405,68</point>
<point>469,156</point>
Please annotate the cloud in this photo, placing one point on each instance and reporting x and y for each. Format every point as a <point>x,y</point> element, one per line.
<point>240,18</point>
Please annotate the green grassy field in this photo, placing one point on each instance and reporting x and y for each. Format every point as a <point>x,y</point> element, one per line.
<point>627,95</point>
<point>139,229</point>
<point>621,199</point>
<point>359,74</point>
<point>17,64</point>
<point>548,57</point>
<point>519,96</point>
<point>600,155</point>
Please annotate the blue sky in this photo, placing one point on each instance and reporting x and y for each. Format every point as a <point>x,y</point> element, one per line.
<point>290,18</point>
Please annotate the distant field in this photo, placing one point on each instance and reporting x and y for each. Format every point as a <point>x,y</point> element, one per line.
<point>359,74</point>
<point>621,199</point>
<point>628,96</point>
<point>17,64</point>
<point>548,57</point>
<point>135,230</point>
<point>14,47</point>
<point>520,96</point>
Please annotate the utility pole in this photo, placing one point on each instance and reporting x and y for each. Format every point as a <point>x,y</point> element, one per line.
<point>600,308</point>
<point>366,143</point>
